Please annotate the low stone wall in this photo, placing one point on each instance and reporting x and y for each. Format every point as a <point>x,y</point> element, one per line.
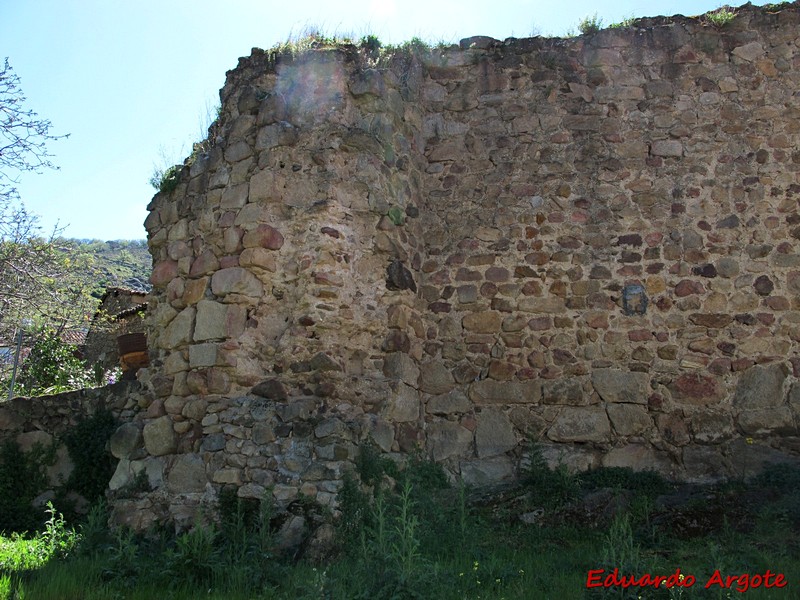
<point>44,420</point>
<point>591,243</point>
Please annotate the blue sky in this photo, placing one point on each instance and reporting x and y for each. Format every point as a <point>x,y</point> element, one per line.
<point>132,82</point>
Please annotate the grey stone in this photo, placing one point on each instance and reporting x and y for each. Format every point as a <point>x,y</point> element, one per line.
<point>494,434</point>
<point>727,267</point>
<point>616,385</point>
<point>330,427</point>
<point>218,321</point>
<point>236,280</point>
<point>703,464</point>
<point>639,457</point>
<point>179,331</point>
<point>126,439</point>
<point>769,420</point>
<point>291,534</point>
<point>399,365</point>
<point>159,436</point>
<point>30,439</point>
<point>187,475</point>
<point>435,378</point>
<point>563,391</point>
<point>489,391</point>
<point>761,387</point>
<point>666,148</point>
<point>271,389</point>
<point>382,433</point>
<point>203,355</point>
<point>263,434</point>
<point>121,476</point>
<point>402,405</point>
<point>446,439</point>
<point>487,472</point>
<point>322,362</point>
<point>581,424</point>
<point>213,442</point>
<point>629,419</point>
<point>455,401</point>
<point>711,427</point>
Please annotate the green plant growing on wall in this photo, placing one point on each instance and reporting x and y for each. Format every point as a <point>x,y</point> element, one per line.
<point>166,180</point>
<point>22,478</point>
<point>720,17</point>
<point>94,466</point>
<point>590,24</point>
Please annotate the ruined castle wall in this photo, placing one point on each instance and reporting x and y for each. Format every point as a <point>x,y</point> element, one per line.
<point>589,242</point>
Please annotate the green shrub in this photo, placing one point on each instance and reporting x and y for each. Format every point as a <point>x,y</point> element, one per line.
<point>94,466</point>
<point>591,24</point>
<point>52,367</point>
<point>624,478</point>
<point>720,17</point>
<point>22,478</point>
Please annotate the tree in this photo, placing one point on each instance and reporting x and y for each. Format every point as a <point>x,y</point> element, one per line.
<point>40,280</point>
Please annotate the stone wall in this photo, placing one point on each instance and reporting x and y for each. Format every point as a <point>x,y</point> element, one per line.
<point>44,420</point>
<point>590,242</point>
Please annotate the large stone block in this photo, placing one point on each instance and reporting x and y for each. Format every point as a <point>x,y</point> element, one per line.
<point>487,472</point>
<point>639,457</point>
<point>216,321</point>
<point>494,434</point>
<point>697,389</point>
<point>159,436</point>
<point>489,391</point>
<point>563,391</point>
<point>435,378</point>
<point>236,280</point>
<point>455,401</point>
<point>187,475</point>
<point>402,404</point>
<point>126,439</point>
<point>629,419</point>
<point>179,331</point>
<point>447,439</point>
<point>767,420</point>
<point>616,385</point>
<point>399,365</point>
<point>581,424</point>
<point>761,387</point>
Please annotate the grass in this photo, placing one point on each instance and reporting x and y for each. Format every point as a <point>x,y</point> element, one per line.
<point>407,533</point>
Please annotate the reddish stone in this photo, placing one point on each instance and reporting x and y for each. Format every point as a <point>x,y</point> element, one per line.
<point>655,402</point>
<point>536,359</point>
<point>640,335</point>
<point>795,360</point>
<point>550,373</point>
<point>597,320</point>
<point>720,366</point>
<point>502,371</point>
<point>497,274</point>
<point>531,288</point>
<point>488,290</point>
<point>264,236</point>
<point>742,364</point>
<point>455,259</point>
<point>164,272</point>
<point>630,271</point>
<point>695,388</point>
<point>687,287</point>
<point>765,318</point>
<point>777,303</point>
<point>711,320</point>
<point>226,262</point>
<point>563,357</point>
<point>526,373</point>
<point>440,277</point>
<point>331,232</point>
<point>439,307</point>
<point>540,323</point>
<point>469,244</point>
<point>653,239</point>
<point>468,275</point>
<point>763,285</point>
<point>537,258</point>
<point>727,348</point>
<point>524,271</point>
<point>707,270</point>
<point>631,239</point>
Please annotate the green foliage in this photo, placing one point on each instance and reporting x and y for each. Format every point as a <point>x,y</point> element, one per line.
<point>624,478</point>
<point>371,46</point>
<point>396,215</point>
<point>52,367</point>
<point>775,7</point>
<point>22,478</point>
<point>549,487</point>
<point>94,466</point>
<point>166,180</point>
<point>721,17</point>
<point>626,22</point>
<point>590,24</point>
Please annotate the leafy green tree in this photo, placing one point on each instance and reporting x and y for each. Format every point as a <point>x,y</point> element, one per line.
<point>52,367</point>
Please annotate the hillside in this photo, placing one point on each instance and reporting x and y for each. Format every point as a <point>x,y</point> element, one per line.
<point>123,263</point>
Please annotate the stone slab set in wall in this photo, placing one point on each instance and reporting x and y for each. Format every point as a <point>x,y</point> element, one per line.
<point>592,243</point>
